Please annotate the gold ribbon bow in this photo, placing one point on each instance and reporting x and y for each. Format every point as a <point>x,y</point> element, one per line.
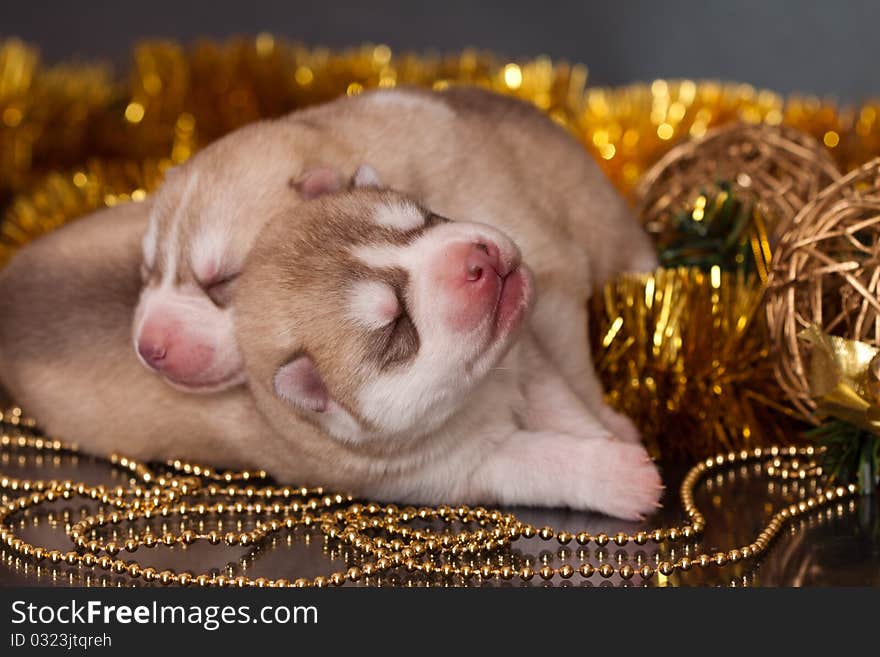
<point>844,378</point>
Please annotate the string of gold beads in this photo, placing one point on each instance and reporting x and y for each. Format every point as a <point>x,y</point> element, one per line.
<point>191,490</point>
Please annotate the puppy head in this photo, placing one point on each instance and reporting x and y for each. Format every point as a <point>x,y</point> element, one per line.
<point>369,316</point>
<point>205,219</point>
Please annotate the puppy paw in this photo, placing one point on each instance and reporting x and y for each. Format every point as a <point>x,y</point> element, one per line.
<point>631,486</point>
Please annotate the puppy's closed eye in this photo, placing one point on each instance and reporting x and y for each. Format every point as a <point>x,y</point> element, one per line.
<point>220,290</point>
<point>401,341</point>
<point>435,220</point>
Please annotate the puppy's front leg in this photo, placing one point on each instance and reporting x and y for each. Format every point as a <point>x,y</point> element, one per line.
<point>552,404</point>
<point>554,469</point>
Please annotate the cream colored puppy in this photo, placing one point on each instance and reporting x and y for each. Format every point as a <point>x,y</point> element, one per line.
<point>66,303</point>
<point>462,152</point>
<point>392,351</point>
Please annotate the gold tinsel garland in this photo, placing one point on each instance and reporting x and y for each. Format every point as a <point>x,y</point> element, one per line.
<point>176,99</point>
<point>692,367</point>
<point>684,352</point>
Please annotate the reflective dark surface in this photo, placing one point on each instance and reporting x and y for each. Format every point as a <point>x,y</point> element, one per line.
<point>837,546</point>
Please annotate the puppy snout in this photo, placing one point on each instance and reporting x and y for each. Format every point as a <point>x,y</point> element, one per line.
<point>469,273</point>
<point>175,353</point>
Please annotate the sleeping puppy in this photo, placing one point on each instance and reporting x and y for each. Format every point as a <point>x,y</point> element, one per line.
<point>464,152</point>
<point>202,222</point>
<point>392,351</point>
<point>485,158</point>
<point>66,303</point>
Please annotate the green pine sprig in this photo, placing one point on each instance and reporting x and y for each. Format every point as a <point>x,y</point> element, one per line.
<point>716,232</point>
<point>852,454</point>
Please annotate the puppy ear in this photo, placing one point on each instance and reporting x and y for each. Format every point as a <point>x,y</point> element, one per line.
<point>299,384</point>
<point>318,181</point>
<point>365,176</point>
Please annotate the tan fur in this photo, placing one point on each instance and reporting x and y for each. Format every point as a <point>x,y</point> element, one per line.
<point>515,423</point>
<point>293,294</point>
<point>491,156</point>
<point>463,152</point>
<point>238,182</point>
<point>66,304</point>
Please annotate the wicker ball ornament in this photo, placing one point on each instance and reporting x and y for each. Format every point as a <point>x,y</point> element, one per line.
<point>687,347</point>
<point>777,168</point>
<point>826,274</point>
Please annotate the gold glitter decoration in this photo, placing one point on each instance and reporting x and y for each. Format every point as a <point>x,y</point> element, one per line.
<point>826,277</point>
<point>775,170</point>
<point>685,354</point>
<point>468,547</point>
<point>61,197</point>
<point>46,115</point>
<point>176,99</point>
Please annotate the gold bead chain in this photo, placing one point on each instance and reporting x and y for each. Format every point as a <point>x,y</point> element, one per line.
<point>381,532</point>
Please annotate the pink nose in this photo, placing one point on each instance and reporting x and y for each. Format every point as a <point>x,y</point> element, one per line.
<point>482,259</point>
<point>152,353</point>
<point>175,354</point>
<point>470,273</point>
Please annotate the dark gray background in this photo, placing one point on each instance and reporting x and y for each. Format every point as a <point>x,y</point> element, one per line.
<point>829,48</point>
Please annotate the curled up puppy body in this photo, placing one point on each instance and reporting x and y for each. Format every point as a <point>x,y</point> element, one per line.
<point>399,360</point>
<point>463,152</point>
<point>417,423</point>
<point>390,353</point>
<point>66,303</point>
